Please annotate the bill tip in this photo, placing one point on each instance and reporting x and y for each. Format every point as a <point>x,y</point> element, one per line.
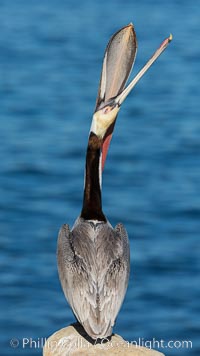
<point>130,25</point>
<point>170,37</point>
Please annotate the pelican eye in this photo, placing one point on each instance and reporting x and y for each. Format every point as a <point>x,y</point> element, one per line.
<point>107,109</point>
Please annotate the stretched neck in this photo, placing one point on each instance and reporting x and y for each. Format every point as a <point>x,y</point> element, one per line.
<point>92,206</point>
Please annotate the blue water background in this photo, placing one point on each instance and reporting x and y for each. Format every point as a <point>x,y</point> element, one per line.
<point>50,62</point>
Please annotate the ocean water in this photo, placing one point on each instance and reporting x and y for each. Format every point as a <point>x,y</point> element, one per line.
<point>50,61</point>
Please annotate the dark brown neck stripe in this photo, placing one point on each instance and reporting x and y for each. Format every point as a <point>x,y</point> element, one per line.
<point>92,205</point>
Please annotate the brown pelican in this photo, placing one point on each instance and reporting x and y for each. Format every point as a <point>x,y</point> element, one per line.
<point>93,257</point>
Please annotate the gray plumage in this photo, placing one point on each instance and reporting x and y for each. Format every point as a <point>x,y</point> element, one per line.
<point>93,265</point>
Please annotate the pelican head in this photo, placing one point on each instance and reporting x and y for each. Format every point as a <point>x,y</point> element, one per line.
<point>118,61</point>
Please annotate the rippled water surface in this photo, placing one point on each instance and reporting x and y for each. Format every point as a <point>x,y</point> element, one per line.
<point>50,62</point>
